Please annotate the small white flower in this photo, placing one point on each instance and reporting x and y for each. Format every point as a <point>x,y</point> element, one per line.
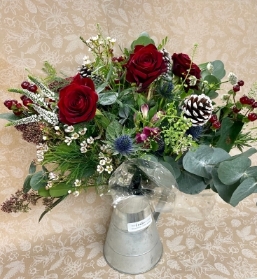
<point>100,168</point>
<point>83,143</point>
<point>86,57</point>
<point>83,149</point>
<point>90,140</point>
<point>44,137</point>
<point>75,136</point>
<point>52,176</point>
<point>108,38</point>
<point>68,140</point>
<point>102,162</point>
<point>56,128</point>
<point>232,78</point>
<point>68,129</point>
<point>112,40</point>
<point>101,155</point>
<point>76,193</point>
<point>108,160</point>
<point>94,38</point>
<point>69,192</point>
<point>210,67</point>
<point>109,169</point>
<point>103,148</point>
<point>49,184</point>
<point>77,183</point>
<point>192,80</point>
<point>83,131</point>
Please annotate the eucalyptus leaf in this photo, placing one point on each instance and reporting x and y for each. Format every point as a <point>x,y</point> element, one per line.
<point>246,188</point>
<point>174,165</point>
<point>231,171</point>
<point>218,69</point>
<point>26,184</point>
<point>107,98</point>
<point>143,40</point>
<point>201,160</point>
<point>32,167</point>
<point>224,191</point>
<point>100,88</point>
<point>190,183</point>
<point>38,180</point>
<point>9,116</point>
<point>250,172</point>
<point>124,111</point>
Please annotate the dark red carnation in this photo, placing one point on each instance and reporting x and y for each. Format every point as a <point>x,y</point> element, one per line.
<point>145,65</point>
<point>77,101</point>
<point>183,67</point>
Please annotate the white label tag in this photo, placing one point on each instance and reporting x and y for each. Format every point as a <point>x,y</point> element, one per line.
<point>140,225</point>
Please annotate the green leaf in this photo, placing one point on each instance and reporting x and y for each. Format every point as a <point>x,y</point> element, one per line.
<point>190,183</point>
<point>143,39</point>
<point>224,191</point>
<point>250,172</point>
<point>231,171</point>
<point>107,98</point>
<point>201,160</point>
<point>149,157</point>
<point>124,111</point>
<point>212,80</point>
<point>246,188</point>
<point>212,94</point>
<point>43,192</point>
<point>9,116</point>
<point>101,87</point>
<point>174,165</point>
<point>218,71</point>
<point>32,167</point>
<point>228,133</point>
<point>113,130</point>
<point>59,190</point>
<point>38,180</point>
<point>26,184</point>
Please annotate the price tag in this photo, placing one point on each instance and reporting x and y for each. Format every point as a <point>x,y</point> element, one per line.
<point>140,225</point>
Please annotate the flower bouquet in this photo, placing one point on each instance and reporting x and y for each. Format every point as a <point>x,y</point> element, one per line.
<point>144,103</point>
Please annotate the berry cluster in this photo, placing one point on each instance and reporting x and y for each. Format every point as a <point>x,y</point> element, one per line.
<point>237,86</point>
<point>215,122</point>
<point>17,107</point>
<point>251,104</point>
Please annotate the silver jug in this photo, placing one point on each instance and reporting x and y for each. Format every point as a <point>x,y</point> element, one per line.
<point>133,244</point>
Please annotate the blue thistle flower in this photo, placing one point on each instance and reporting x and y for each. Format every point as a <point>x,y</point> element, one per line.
<point>195,131</point>
<point>165,89</point>
<point>123,145</point>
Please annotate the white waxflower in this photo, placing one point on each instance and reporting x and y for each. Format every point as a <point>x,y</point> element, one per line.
<point>49,184</point>
<point>94,38</point>
<point>101,155</point>
<point>102,162</point>
<point>68,129</point>
<point>108,160</point>
<point>90,140</point>
<point>192,80</point>
<point>68,140</point>
<point>76,193</point>
<point>83,143</point>
<point>56,128</point>
<point>100,169</point>
<point>52,176</point>
<point>83,131</point>
<point>83,149</point>
<point>103,147</point>
<point>109,169</point>
<point>75,136</point>
<point>112,40</point>
<point>210,67</point>
<point>232,78</point>
<point>77,183</point>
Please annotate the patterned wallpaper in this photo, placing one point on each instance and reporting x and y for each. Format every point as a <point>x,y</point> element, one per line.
<point>33,31</point>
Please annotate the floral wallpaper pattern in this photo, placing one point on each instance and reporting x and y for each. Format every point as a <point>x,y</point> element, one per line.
<point>68,242</point>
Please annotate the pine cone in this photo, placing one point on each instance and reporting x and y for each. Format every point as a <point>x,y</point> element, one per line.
<point>85,71</point>
<point>198,108</point>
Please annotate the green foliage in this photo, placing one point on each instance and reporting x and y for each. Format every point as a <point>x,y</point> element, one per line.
<point>143,39</point>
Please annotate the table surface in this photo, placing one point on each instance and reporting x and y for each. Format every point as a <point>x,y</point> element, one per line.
<point>68,242</point>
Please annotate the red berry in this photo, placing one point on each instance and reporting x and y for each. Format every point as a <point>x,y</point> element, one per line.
<point>213,118</point>
<point>18,106</point>
<point>236,88</point>
<point>216,125</point>
<point>244,100</point>
<point>8,103</point>
<point>250,101</point>
<point>254,105</point>
<point>32,88</point>
<point>17,112</point>
<point>27,102</point>
<point>23,97</point>
<point>25,84</point>
<point>240,83</point>
<point>252,116</point>
<point>236,110</point>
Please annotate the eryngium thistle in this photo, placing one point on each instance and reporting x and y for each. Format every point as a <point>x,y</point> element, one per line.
<point>123,145</point>
<point>195,131</point>
<point>165,88</point>
<point>31,132</point>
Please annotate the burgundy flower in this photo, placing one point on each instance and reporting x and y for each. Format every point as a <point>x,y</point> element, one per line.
<point>145,65</point>
<point>183,67</point>
<point>77,101</point>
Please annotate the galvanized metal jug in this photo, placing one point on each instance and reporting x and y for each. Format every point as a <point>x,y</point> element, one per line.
<point>133,244</point>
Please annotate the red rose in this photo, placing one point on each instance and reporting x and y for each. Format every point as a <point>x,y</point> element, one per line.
<point>145,65</point>
<point>77,101</point>
<point>183,66</point>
